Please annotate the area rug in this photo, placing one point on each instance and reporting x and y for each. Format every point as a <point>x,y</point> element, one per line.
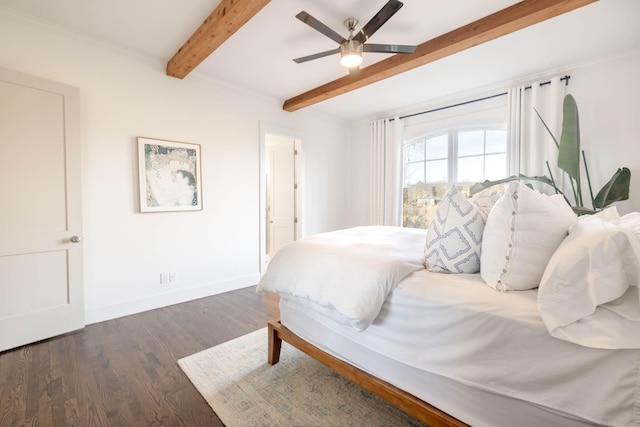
<point>244,390</point>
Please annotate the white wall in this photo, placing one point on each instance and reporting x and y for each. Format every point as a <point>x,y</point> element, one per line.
<point>608,99</point>
<point>124,96</point>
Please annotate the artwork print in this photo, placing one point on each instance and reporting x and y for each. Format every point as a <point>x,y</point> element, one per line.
<point>169,176</point>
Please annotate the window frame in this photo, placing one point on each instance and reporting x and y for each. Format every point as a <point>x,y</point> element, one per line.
<point>452,151</point>
<point>453,156</point>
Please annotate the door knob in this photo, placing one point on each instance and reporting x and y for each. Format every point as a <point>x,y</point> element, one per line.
<point>75,239</point>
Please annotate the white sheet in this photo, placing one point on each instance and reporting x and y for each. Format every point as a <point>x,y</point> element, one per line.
<point>349,288</point>
<point>456,327</point>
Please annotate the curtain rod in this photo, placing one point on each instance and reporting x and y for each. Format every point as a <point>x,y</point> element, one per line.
<point>566,83</point>
<point>565,78</point>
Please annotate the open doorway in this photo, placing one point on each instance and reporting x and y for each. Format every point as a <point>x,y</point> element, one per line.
<point>280,190</point>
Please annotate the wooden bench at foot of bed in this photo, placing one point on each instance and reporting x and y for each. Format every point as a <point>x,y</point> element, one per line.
<point>397,397</point>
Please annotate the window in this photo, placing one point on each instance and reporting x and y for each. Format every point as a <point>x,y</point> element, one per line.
<point>432,163</point>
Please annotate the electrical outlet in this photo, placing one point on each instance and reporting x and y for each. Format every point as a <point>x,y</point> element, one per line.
<point>164,278</point>
<point>172,276</point>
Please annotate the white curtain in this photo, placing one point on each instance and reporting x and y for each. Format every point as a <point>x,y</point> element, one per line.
<point>385,196</point>
<point>528,139</point>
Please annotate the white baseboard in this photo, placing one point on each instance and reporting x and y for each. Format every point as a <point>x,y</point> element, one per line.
<point>126,308</point>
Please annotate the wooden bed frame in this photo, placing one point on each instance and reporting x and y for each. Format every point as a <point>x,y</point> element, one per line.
<point>397,397</point>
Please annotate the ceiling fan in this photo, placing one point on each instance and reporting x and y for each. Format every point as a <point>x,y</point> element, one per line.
<point>351,48</point>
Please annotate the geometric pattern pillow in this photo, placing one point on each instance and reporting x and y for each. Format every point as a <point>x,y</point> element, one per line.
<point>454,237</point>
<point>486,198</point>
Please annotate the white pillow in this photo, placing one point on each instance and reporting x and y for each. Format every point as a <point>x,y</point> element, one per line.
<point>523,230</point>
<point>631,221</point>
<point>589,291</point>
<point>454,237</point>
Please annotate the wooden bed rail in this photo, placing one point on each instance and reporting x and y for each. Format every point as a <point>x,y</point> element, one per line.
<point>397,397</point>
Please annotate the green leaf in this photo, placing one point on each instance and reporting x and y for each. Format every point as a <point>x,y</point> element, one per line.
<point>479,186</point>
<point>569,145</point>
<point>580,210</point>
<point>569,149</point>
<point>547,128</point>
<point>615,190</point>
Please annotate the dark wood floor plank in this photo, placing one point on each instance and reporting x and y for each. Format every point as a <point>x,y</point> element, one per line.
<point>14,386</point>
<point>38,399</point>
<point>64,392</point>
<point>124,372</point>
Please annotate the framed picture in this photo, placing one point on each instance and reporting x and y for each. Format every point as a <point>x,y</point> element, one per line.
<point>170,177</point>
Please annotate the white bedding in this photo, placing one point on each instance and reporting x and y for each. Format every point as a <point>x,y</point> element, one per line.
<point>589,291</point>
<point>456,327</point>
<point>368,286</point>
<point>349,288</point>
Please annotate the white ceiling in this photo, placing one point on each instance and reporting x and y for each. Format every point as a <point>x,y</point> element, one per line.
<point>259,56</point>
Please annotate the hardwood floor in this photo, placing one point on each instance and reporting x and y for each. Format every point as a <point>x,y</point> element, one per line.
<point>124,372</point>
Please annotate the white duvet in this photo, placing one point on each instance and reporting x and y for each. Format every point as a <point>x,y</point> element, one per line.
<point>352,287</point>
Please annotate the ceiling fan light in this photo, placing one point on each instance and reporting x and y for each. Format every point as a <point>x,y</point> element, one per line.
<point>351,53</point>
<point>351,60</point>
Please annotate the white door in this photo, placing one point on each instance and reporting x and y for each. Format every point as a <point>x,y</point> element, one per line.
<point>281,206</point>
<point>41,288</point>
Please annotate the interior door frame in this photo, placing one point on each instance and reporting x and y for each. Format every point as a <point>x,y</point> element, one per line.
<point>283,132</point>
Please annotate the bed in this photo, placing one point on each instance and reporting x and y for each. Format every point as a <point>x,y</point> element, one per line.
<point>447,348</point>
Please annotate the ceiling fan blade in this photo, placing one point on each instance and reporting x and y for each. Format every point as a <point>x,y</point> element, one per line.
<point>383,15</point>
<point>317,55</point>
<point>388,48</point>
<point>319,26</point>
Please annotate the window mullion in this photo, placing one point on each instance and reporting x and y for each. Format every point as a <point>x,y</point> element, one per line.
<point>484,152</point>
<point>452,158</point>
<point>424,162</point>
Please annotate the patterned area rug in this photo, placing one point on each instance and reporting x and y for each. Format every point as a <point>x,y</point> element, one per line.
<point>244,390</point>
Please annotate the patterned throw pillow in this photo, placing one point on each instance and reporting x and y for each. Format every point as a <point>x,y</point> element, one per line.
<point>486,198</point>
<point>454,237</point>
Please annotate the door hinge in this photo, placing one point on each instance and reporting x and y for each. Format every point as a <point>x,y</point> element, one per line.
<point>295,152</point>
<point>295,220</point>
<point>295,186</point>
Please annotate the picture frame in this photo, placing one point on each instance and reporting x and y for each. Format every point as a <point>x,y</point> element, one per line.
<point>169,175</point>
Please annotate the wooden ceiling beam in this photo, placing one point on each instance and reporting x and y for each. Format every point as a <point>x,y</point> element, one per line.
<point>503,22</point>
<point>226,19</point>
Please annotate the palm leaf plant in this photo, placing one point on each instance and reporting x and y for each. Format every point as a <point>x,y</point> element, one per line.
<point>569,159</point>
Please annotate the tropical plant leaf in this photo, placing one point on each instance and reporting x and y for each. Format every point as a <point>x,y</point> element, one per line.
<point>586,171</point>
<point>569,145</point>
<point>615,190</point>
<point>569,149</point>
<point>581,210</point>
<point>479,186</point>
<point>547,128</point>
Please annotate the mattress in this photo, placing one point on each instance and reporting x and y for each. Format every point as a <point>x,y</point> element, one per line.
<point>482,356</point>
